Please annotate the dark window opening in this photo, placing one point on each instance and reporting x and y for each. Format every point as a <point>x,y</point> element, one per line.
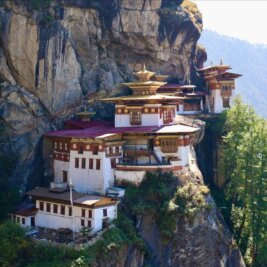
<point>90,214</point>
<point>65,176</point>
<point>83,212</point>
<point>80,149</point>
<point>105,212</point>
<point>23,221</point>
<point>113,163</point>
<point>62,210</point>
<point>70,211</point>
<point>91,164</point>
<point>76,162</point>
<point>48,207</point>
<point>41,205</point>
<point>55,208</point>
<point>98,164</point>
<point>82,222</point>
<point>83,163</point>
<point>95,150</point>
<point>89,224</point>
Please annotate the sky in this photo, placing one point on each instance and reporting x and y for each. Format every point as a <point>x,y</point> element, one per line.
<point>245,20</point>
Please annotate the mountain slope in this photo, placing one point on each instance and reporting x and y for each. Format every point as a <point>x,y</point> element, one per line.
<point>245,58</point>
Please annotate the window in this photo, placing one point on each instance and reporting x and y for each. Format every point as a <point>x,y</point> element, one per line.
<point>82,222</point>
<point>225,87</point>
<point>83,163</point>
<point>117,149</point>
<point>90,214</point>
<point>95,150</point>
<point>41,205</point>
<point>169,145</point>
<point>70,211</point>
<point>226,102</point>
<point>76,162</point>
<point>62,210</point>
<point>83,212</point>
<point>91,164</point>
<point>105,212</point>
<point>23,220</point>
<point>48,207</point>
<point>80,149</point>
<point>135,117</point>
<point>89,224</point>
<point>167,116</point>
<point>113,163</point>
<point>97,164</point>
<point>55,208</point>
<point>110,150</point>
<point>18,219</point>
<point>65,176</point>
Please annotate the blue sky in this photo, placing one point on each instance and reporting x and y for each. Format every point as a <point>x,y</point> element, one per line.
<point>245,20</point>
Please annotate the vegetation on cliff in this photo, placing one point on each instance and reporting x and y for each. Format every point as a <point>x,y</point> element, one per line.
<point>9,193</point>
<point>244,165</point>
<point>161,196</point>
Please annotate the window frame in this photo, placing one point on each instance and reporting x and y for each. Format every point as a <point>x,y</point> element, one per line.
<point>135,117</point>
<point>169,145</point>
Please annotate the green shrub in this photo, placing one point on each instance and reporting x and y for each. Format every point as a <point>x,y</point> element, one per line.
<point>13,244</point>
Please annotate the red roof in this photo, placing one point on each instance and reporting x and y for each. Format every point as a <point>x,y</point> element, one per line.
<point>97,129</point>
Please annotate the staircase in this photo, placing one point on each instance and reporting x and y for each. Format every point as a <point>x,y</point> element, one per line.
<point>156,157</point>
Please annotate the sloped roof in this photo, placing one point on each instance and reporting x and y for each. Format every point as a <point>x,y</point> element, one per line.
<point>79,199</point>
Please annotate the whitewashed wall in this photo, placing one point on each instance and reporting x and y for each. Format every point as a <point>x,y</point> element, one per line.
<point>55,221</point>
<point>59,167</point>
<point>87,180</point>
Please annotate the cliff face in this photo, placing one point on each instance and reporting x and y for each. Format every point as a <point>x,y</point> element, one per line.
<point>205,242</point>
<point>52,61</point>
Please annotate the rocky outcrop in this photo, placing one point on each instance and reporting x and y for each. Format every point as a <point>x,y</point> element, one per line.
<point>53,60</point>
<point>205,242</point>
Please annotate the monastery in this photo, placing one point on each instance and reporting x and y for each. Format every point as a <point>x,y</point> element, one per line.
<point>92,158</point>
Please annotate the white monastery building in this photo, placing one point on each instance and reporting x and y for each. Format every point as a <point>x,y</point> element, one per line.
<point>91,157</point>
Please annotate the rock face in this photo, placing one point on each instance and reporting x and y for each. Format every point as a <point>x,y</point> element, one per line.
<point>52,61</point>
<point>204,243</point>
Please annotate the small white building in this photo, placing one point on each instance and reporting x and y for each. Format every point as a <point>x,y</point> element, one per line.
<point>54,210</point>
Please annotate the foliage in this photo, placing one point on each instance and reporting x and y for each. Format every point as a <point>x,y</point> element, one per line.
<point>189,200</point>
<point>9,194</point>
<point>13,245</point>
<point>154,191</point>
<point>159,196</point>
<point>244,162</point>
<point>38,4</point>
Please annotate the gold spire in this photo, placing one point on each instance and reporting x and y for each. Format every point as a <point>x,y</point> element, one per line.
<point>144,86</point>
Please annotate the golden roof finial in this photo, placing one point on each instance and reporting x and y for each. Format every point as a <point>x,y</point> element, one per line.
<point>143,68</point>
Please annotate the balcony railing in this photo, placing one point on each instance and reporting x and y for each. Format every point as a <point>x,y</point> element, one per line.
<point>58,185</point>
<point>132,162</point>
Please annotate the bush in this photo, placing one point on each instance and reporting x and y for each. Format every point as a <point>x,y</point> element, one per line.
<point>13,244</point>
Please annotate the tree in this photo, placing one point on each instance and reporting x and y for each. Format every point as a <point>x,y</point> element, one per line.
<point>244,162</point>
